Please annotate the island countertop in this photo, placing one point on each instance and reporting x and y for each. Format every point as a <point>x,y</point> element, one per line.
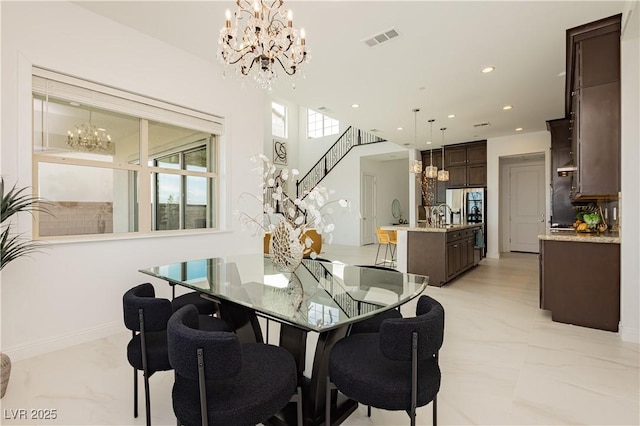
<point>573,236</point>
<point>450,228</point>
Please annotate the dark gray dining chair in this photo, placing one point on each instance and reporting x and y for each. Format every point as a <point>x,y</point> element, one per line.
<point>395,369</point>
<point>147,351</point>
<point>220,381</point>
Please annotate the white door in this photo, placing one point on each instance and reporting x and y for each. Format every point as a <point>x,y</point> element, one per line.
<point>368,209</point>
<point>527,207</point>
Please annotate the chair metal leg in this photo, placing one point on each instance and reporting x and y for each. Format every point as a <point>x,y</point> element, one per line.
<point>368,411</point>
<point>135,393</point>
<point>147,398</point>
<point>143,344</point>
<point>299,407</point>
<point>377,253</point>
<point>435,410</point>
<point>414,377</point>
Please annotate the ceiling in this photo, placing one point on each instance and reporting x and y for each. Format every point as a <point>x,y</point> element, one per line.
<point>434,65</point>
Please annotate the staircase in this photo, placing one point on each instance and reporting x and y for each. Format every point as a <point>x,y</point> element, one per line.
<point>351,138</point>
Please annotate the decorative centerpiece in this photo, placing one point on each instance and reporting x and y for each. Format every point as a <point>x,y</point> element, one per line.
<point>288,218</point>
<point>589,220</point>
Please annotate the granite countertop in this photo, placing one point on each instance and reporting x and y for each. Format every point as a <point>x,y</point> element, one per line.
<point>424,228</point>
<point>573,236</point>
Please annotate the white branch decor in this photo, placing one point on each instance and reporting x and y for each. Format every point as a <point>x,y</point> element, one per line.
<point>287,218</point>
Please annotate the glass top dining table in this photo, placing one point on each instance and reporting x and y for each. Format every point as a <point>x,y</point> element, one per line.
<point>320,296</point>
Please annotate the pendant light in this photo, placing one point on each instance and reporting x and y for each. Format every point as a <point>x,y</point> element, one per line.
<point>443,175</point>
<point>415,166</point>
<point>431,171</point>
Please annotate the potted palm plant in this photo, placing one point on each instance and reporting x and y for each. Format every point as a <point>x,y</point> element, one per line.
<point>14,245</point>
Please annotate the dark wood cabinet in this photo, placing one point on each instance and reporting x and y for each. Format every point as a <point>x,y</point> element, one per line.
<point>467,165</point>
<point>455,156</point>
<point>457,177</point>
<point>580,283</point>
<point>598,147</point>
<point>561,208</point>
<point>442,256</point>
<point>592,101</point>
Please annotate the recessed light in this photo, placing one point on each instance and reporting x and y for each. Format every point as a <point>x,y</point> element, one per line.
<point>355,106</point>
<point>518,129</point>
<point>399,128</point>
<point>507,107</point>
<point>451,116</point>
<point>488,69</point>
<point>429,143</point>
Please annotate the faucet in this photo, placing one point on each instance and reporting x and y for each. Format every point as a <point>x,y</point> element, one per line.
<point>442,214</point>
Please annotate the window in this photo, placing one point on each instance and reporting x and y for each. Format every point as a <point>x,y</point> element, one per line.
<point>278,120</point>
<point>319,125</point>
<point>113,162</point>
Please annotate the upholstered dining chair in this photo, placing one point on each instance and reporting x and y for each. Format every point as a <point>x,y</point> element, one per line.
<point>395,369</point>
<point>204,306</point>
<point>220,381</point>
<point>147,351</point>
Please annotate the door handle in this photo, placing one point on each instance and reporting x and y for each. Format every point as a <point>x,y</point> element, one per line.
<point>542,218</point>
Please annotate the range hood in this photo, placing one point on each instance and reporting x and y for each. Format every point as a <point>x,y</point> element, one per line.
<point>567,168</point>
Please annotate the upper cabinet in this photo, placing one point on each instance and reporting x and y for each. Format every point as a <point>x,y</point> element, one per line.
<point>593,107</point>
<point>467,165</point>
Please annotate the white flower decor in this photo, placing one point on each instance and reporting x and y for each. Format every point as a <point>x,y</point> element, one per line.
<point>312,210</point>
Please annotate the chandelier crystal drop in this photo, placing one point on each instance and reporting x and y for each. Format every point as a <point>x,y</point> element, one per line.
<point>443,175</point>
<point>268,38</point>
<point>88,137</point>
<point>431,171</point>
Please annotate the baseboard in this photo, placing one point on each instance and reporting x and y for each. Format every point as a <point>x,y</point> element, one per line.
<point>493,255</point>
<point>629,334</point>
<point>44,346</point>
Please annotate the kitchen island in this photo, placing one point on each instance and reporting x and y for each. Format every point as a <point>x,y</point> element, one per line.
<point>440,253</point>
<point>580,278</point>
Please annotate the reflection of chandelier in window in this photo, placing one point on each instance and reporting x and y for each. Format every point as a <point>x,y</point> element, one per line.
<point>266,39</point>
<point>88,137</point>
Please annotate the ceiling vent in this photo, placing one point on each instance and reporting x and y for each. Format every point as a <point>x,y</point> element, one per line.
<point>381,38</point>
<point>485,124</point>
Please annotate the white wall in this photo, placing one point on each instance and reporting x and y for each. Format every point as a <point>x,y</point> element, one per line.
<point>527,143</point>
<point>630,203</point>
<point>391,183</point>
<point>73,291</point>
<point>344,179</point>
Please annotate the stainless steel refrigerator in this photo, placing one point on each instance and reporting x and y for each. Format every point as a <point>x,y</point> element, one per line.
<point>468,206</point>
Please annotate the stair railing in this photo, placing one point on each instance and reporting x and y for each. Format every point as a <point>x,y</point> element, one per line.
<point>351,137</point>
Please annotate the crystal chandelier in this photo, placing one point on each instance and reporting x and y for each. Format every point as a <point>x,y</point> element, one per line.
<point>431,171</point>
<point>88,137</point>
<point>267,38</point>
<point>443,175</point>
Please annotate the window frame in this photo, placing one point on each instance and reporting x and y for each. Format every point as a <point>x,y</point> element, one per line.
<point>145,110</point>
<point>323,125</point>
<point>285,120</point>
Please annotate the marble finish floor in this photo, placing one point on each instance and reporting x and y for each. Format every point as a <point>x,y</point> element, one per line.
<point>504,362</point>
